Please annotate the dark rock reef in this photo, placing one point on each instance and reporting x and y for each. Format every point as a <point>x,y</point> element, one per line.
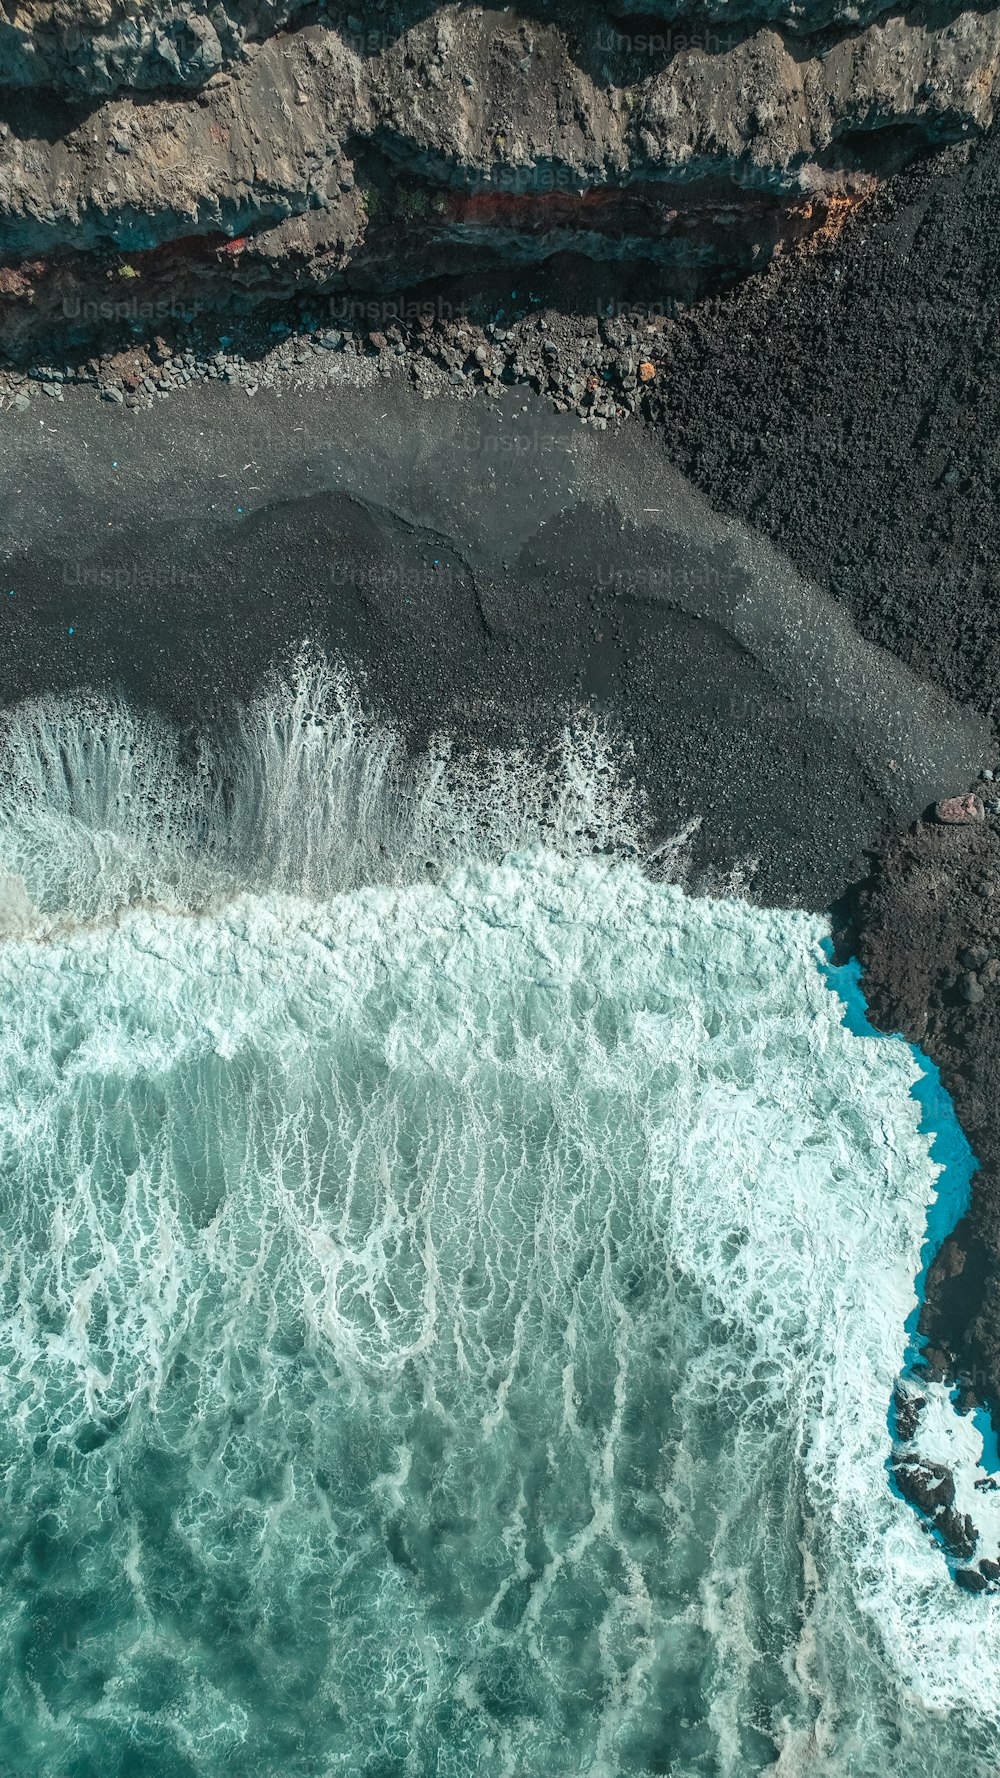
<point>926,927</point>
<point>930,1487</point>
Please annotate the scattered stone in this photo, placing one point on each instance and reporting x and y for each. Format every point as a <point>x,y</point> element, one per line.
<point>989,1569</point>
<point>111,392</point>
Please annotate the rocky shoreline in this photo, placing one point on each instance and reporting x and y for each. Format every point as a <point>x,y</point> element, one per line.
<point>926,928</point>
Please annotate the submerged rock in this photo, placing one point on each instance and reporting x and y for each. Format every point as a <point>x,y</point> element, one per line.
<point>930,1487</point>
<point>971,1580</point>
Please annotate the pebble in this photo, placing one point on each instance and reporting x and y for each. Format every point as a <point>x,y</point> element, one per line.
<point>576,371</point>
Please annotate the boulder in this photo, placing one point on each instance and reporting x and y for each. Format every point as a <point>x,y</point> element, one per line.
<point>959,811</point>
<point>958,1533</point>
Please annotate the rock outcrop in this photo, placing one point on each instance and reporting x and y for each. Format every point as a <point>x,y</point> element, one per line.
<point>930,1487</point>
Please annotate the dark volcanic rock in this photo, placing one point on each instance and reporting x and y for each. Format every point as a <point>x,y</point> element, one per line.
<point>958,1533</point>
<point>908,1408</point>
<point>929,1486</point>
<point>929,904</point>
<point>848,406</point>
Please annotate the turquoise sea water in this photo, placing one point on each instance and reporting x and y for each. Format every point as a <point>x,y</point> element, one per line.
<point>451,1287</point>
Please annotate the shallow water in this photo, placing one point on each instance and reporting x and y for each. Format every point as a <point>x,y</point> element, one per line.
<point>448,1316</point>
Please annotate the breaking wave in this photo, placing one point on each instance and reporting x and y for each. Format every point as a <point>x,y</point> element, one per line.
<point>452,1284</point>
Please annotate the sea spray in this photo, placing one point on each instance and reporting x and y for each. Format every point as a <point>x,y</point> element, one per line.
<point>446,1318</point>
<point>300,790</point>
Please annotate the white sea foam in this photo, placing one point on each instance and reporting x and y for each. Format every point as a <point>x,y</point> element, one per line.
<point>448,1325</point>
<point>101,808</point>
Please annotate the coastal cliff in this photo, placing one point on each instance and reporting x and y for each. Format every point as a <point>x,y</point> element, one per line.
<point>193,159</point>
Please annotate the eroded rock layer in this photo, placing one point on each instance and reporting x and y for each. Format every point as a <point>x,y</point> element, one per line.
<point>93,47</point>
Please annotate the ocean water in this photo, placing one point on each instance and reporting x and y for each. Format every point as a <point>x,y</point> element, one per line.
<point>452,1283</point>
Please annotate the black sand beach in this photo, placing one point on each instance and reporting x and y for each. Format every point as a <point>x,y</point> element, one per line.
<point>484,573</point>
